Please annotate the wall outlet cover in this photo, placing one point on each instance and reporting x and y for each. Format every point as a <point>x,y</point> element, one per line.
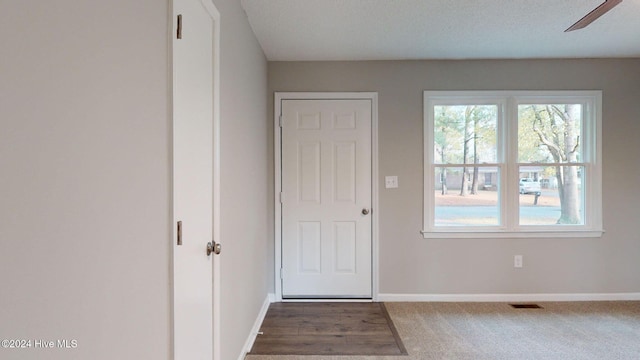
<point>517,261</point>
<point>391,182</point>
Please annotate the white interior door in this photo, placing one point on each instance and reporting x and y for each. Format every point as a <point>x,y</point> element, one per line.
<point>326,198</point>
<point>193,170</point>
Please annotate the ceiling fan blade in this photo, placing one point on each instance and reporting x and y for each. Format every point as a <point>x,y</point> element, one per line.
<point>594,14</point>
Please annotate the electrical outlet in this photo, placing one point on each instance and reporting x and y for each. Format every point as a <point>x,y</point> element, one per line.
<point>517,261</point>
<point>390,182</point>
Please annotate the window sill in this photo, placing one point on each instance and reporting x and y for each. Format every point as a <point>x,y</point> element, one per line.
<point>479,234</point>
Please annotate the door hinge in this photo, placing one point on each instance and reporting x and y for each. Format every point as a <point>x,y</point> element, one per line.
<point>281,197</point>
<point>179,226</point>
<point>281,273</point>
<point>280,120</point>
<point>179,26</point>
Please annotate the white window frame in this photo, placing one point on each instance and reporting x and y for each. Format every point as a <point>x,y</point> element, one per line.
<point>507,162</point>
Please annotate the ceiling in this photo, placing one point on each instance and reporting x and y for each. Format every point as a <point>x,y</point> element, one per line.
<point>441,29</point>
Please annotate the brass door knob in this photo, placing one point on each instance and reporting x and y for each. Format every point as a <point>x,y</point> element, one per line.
<point>365,211</point>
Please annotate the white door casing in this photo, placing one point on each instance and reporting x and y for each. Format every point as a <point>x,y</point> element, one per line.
<point>326,173</point>
<point>195,92</point>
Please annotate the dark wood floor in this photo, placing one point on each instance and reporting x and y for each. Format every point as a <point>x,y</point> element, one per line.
<point>328,329</point>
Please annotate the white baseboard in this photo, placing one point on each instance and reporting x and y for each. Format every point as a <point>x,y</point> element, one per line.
<point>509,297</point>
<point>256,326</point>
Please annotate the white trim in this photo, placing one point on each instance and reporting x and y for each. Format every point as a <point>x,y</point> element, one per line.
<point>278,97</point>
<point>277,166</point>
<point>509,297</point>
<point>251,338</point>
<point>375,254</point>
<point>172,312</point>
<point>325,300</point>
<point>479,234</point>
<point>217,311</point>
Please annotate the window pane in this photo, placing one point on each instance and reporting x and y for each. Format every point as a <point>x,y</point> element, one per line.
<point>549,133</point>
<point>467,196</point>
<point>551,195</point>
<point>465,134</point>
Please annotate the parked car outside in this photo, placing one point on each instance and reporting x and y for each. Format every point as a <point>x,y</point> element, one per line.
<point>529,186</point>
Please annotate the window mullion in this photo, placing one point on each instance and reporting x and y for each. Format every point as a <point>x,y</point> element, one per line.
<point>510,123</point>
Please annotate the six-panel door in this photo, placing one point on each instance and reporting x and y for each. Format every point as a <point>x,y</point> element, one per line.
<point>326,198</point>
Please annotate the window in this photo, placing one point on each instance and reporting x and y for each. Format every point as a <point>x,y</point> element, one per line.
<point>512,164</point>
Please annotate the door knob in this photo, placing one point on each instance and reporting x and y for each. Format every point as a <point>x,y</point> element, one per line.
<point>365,211</point>
<point>213,247</point>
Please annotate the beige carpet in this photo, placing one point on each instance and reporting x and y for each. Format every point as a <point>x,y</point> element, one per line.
<point>562,330</point>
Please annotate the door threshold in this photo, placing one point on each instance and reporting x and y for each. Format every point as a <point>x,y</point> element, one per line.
<point>325,299</point>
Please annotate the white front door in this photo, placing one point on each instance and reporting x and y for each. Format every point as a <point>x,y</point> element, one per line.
<point>326,198</point>
<point>193,171</point>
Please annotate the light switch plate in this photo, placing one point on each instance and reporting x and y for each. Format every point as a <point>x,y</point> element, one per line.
<point>390,182</point>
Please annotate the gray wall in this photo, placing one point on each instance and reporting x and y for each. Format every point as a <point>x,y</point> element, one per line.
<point>85,202</point>
<point>85,178</point>
<point>410,264</point>
<point>245,221</point>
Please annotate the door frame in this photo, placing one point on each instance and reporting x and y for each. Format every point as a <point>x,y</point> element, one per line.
<point>277,110</point>
<point>216,289</point>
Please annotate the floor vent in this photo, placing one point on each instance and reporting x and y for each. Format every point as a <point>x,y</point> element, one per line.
<point>526,306</point>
